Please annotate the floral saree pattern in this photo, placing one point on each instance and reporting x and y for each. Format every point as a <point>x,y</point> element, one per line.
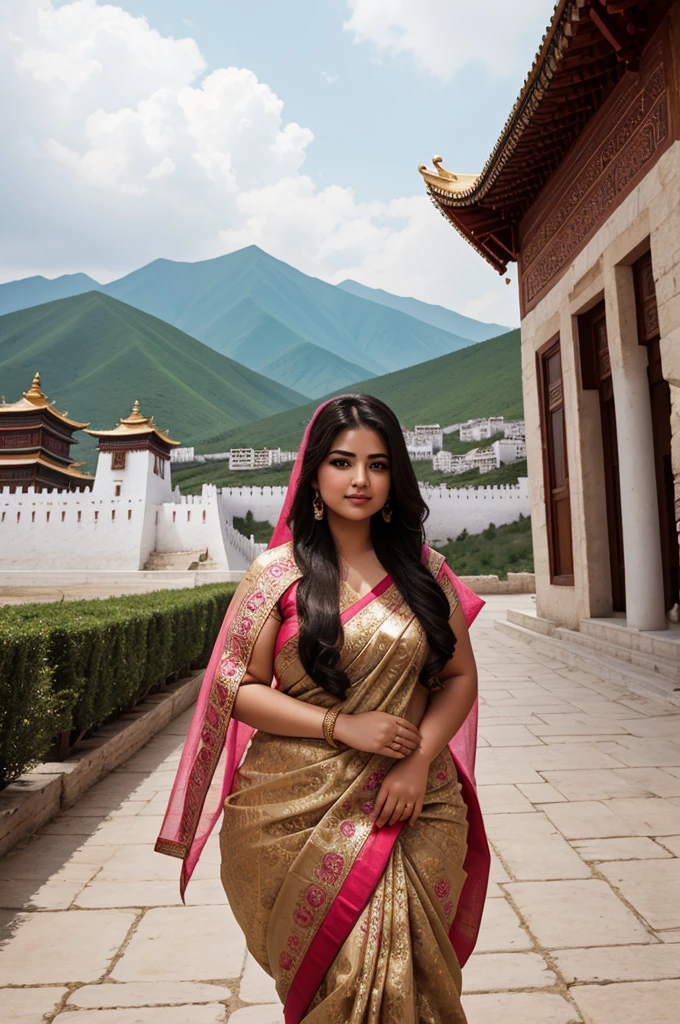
<point>354,923</point>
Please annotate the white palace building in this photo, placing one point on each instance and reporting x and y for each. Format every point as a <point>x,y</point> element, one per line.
<point>54,517</point>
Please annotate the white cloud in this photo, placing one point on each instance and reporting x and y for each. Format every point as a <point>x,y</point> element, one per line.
<point>443,36</point>
<point>331,79</point>
<point>120,148</point>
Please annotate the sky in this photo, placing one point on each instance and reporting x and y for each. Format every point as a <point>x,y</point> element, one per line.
<point>166,128</point>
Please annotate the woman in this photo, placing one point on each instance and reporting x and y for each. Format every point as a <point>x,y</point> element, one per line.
<point>353,851</point>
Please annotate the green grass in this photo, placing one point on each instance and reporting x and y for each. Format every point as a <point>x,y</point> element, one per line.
<point>97,355</point>
<point>496,551</point>
<point>480,380</point>
<point>261,529</point>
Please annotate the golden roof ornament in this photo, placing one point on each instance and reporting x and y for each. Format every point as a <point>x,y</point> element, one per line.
<point>35,393</point>
<point>135,424</point>
<point>35,399</point>
<point>446,182</point>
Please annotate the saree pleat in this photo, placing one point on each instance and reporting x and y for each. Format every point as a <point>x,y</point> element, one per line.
<point>297,829</point>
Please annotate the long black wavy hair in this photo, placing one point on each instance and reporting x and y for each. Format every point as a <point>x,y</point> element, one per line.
<point>397,545</point>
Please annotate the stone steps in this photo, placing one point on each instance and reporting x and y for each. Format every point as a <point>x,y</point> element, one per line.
<point>163,561</point>
<point>669,668</point>
<point>664,643</point>
<point>574,655</point>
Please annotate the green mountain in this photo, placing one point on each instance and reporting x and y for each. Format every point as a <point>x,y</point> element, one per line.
<point>481,380</point>
<point>254,309</point>
<point>310,370</point>
<point>464,326</point>
<point>219,302</point>
<point>31,291</point>
<point>96,355</point>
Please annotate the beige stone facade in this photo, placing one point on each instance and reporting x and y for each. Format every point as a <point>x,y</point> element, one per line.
<point>649,218</point>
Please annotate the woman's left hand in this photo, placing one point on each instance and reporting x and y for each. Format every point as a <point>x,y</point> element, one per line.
<point>402,792</point>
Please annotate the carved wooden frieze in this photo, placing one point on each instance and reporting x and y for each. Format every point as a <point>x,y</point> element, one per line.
<point>617,148</point>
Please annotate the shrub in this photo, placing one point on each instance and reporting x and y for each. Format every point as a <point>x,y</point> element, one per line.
<point>66,668</point>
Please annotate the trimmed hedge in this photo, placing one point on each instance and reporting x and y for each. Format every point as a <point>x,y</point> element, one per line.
<point>67,667</point>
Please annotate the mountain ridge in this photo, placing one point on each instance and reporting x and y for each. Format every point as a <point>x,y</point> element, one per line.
<point>217,301</point>
<point>97,354</point>
<point>479,380</point>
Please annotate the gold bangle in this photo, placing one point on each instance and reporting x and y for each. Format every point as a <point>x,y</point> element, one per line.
<point>328,727</point>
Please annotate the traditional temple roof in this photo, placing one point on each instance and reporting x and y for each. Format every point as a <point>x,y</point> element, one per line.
<point>135,425</point>
<point>587,48</point>
<point>43,459</point>
<point>35,400</point>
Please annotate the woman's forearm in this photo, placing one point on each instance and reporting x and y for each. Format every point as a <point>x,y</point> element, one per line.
<point>270,710</point>
<point>447,710</point>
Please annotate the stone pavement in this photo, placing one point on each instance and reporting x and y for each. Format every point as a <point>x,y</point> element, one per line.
<point>580,782</point>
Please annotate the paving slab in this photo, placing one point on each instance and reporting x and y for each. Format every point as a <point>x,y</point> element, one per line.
<point>146,993</point>
<point>57,948</point>
<point>502,799</point>
<point>627,848</point>
<point>183,944</point>
<point>104,893</point>
<point>541,793</point>
<point>576,913</point>
<point>501,929</point>
<point>498,972</point>
<point>256,985</point>
<point>651,887</point>
<point>617,963</point>
<point>520,1008</point>
<point>532,848</point>
<point>213,1013</point>
<point>28,1005</point>
<point>639,1002</point>
<point>266,1014</point>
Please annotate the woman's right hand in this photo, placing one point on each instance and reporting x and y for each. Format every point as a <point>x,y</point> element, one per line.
<point>378,732</point>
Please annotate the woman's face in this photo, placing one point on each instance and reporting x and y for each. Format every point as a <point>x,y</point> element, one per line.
<point>354,478</point>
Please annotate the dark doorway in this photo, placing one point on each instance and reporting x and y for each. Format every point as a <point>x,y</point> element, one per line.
<point>596,373</point>
<point>660,398</point>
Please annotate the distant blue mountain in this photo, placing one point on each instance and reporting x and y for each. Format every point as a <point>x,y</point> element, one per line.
<point>308,335</point>
<point>438,316</point>
<point>33,291</point>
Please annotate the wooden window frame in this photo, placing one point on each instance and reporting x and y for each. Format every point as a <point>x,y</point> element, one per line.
<point>542,354</point>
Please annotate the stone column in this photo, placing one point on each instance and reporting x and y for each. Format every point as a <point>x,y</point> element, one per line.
<point>639,509</point>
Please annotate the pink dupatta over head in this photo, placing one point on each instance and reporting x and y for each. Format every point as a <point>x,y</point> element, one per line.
<point>200,789</point>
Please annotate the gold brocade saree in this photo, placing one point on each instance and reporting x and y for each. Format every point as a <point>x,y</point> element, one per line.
<point>353,922</point>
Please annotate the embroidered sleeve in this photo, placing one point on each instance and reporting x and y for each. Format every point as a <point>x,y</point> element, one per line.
<point>449,589</point>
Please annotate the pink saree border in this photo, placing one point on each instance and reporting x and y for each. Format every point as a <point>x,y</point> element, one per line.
<point>351,899</point>
<point>375,853</point>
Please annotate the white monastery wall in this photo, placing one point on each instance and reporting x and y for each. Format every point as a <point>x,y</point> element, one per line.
<point>452,509</point>
<point>55,530</point>
<point>60,530</point>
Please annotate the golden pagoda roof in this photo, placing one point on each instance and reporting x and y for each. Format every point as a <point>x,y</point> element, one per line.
<point>134,425</point>
<point>43,460</point>
<point>36,400</point>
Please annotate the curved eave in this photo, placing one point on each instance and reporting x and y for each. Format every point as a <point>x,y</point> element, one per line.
<point>555,42</point>
<point>28,407</point>
<point>133,435</point>
<point>48,463</point>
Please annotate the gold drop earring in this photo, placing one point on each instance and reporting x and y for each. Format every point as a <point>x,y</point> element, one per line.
<point>387,511</point>
<point>318,506</point>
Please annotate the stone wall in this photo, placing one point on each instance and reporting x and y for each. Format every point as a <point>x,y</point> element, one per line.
<point>647,218</point>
